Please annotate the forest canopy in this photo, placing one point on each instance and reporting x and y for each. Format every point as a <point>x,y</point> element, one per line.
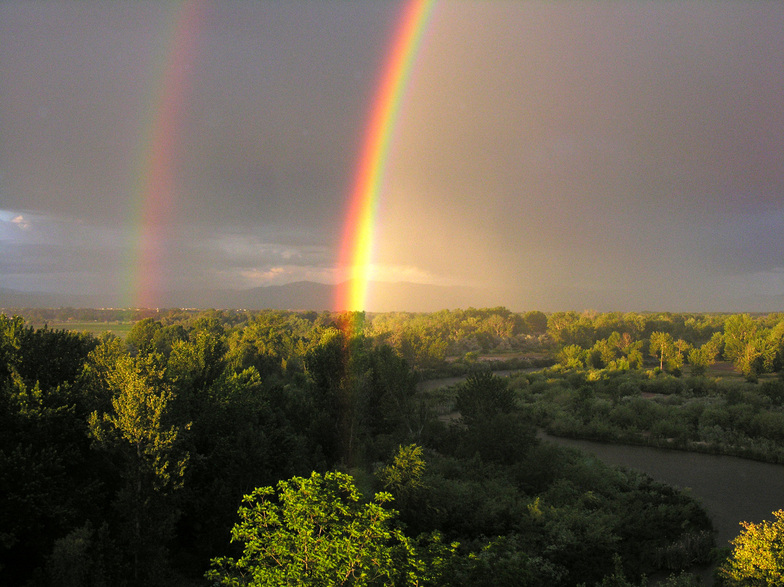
<point>127,461</point>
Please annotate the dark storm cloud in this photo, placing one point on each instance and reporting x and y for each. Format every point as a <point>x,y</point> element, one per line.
<point>235,250</point>
<point>33,243</point>
<point>747,241</point>
<point>271,122</point>
<point>72,85</point>
<point>278,106</point>
<point>37,259</point>
<point>663,102</point>
<point>272,116</point>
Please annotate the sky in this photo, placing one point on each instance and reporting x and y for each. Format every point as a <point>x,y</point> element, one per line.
<point>546,156</point>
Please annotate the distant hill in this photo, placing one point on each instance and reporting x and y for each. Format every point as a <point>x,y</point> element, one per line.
<point>301,295</point>
<point>394,297</point>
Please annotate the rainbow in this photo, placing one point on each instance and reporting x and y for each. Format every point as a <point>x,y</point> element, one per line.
<point>155,178</point>
<point>357,244</point>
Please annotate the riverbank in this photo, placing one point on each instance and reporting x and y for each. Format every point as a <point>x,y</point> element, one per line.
<point>731,489</point>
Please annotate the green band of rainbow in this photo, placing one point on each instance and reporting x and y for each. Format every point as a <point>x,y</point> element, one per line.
<point>357,244</point>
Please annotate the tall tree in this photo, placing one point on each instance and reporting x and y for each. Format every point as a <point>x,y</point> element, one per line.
<point>748,345</point>
<point>703,357</point>
<point>10,344</point>
<point>662,347</point>
<point>739,329</point>
<point>139,434</point>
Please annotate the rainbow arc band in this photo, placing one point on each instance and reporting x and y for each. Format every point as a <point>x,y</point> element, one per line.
<point>155,178</point>
<point>355,260</point>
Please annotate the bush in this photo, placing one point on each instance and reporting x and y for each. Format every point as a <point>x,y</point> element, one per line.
<point>774,390</point>
<point>663,384</point>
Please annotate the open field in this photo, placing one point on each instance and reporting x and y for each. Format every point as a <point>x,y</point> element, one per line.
<point>120,329</point>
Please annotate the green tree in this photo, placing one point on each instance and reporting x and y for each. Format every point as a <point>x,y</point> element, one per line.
<point>604,352</point>
<point>388,401</point>
<point>535,322</point>
<point>421,347</point>
<point>570,328</point>
<point>138,433</point>
<point>10,344</point>
<point>776,338</point>
<point>702,358</point>
<point>483,395</point>
<point>193,367</point>
<point>748,346</point>
<point>664,348</point>
<point>757,558</point>
<point>52,357</point>
<point>659,346</point>
<point>359,393</point>
<point>739,329</point>
<point>319,532</point>
<point>330,365</point>
<point>618,578</point>
<point>571,356</point>
<point>403,476</point>
<point>504,562</point>
<point>675,362</point>
<point>43,451</point>
<point>140,339</point>
<point>499,325</point>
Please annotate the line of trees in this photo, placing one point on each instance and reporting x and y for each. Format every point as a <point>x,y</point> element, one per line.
<point>454,339</point>
<point>754,345</point>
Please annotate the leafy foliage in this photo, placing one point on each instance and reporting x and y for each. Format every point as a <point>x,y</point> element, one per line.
<point>318,533</point>
<point>150,466</point>
<point>482,396</point>
<point>757,558</point>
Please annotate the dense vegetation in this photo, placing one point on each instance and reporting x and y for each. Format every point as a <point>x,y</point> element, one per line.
<point>125,461</point>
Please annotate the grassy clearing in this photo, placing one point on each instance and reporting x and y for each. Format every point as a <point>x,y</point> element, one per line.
<point>120,329</point>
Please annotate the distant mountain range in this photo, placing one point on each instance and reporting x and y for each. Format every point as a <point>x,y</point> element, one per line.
<point>392,297</point>
<point>301,295</point>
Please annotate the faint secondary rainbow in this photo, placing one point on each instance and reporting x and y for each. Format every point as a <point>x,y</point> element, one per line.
<point>357,243</point>
<point>155,176</point>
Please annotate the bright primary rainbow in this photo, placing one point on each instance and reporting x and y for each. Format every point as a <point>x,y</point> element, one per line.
<point>155,185</point>
<point>356,249</point>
